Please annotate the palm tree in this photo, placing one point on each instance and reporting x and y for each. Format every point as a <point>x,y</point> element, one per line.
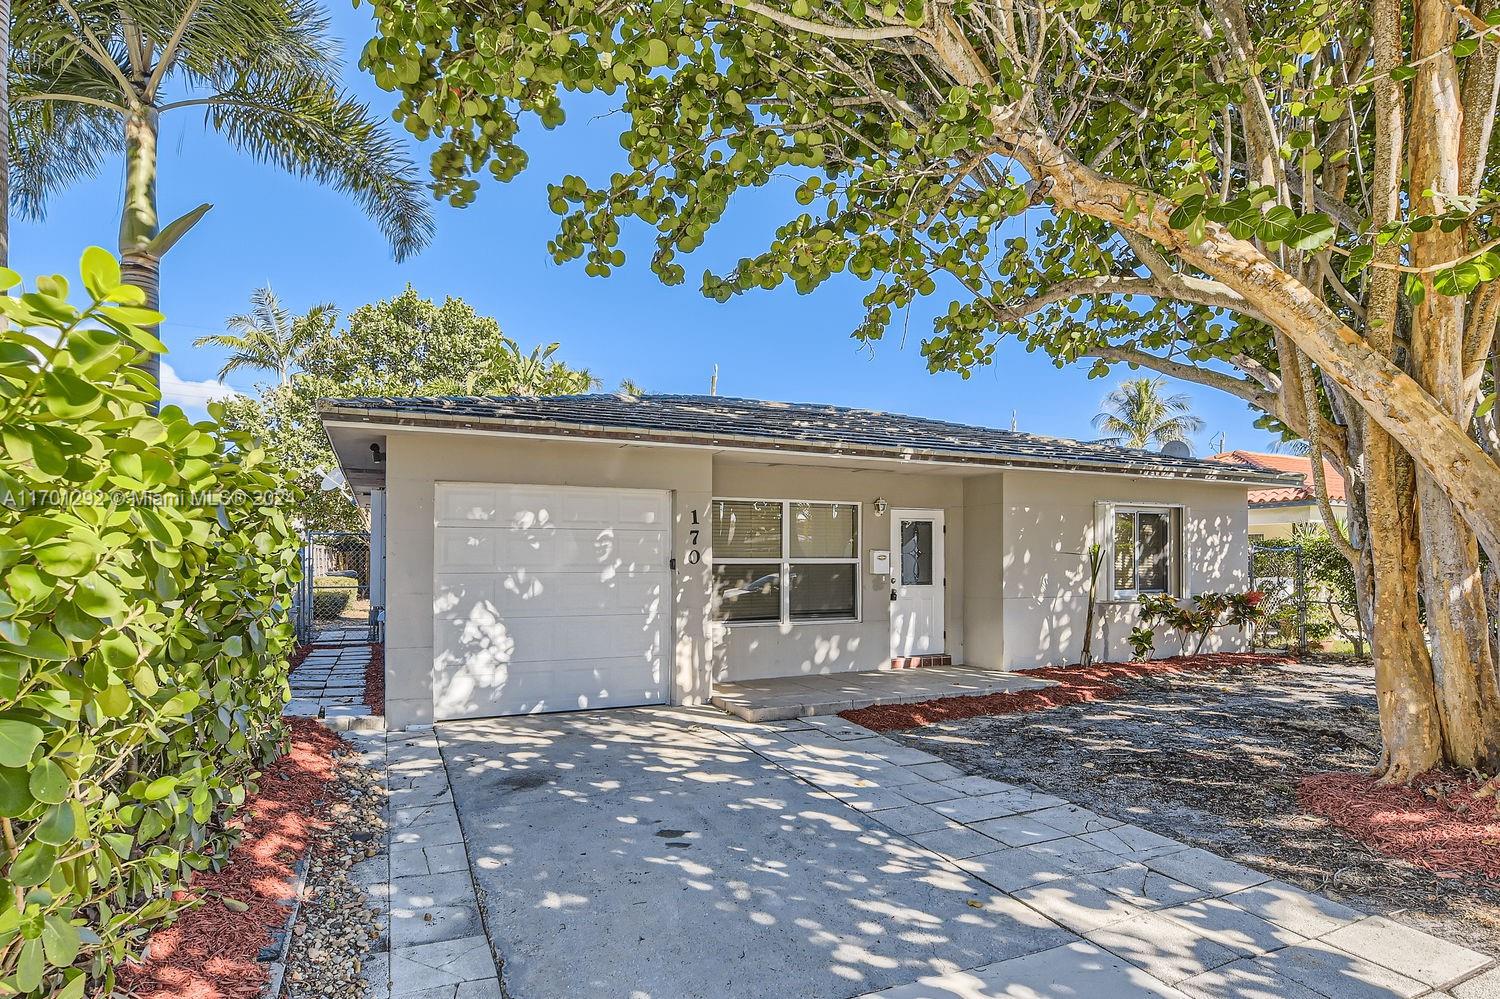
<point>630,388</point>
<point>90,79</point>
<point>269,337</point>
<point>1137,414</point>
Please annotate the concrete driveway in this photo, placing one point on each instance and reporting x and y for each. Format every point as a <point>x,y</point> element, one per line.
<point>669,853</point>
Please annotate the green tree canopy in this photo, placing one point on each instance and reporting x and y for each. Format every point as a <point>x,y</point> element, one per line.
<point>406,345</point>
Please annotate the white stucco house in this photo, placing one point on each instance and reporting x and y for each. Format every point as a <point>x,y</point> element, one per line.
<point>595,551</point>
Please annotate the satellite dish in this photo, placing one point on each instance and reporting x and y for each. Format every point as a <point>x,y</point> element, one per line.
<point>1176,449</point>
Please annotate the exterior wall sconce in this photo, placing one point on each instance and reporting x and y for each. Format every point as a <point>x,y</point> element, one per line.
<point>881,506</point>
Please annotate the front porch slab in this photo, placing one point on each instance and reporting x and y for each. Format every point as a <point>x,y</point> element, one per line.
<point>784,697</point>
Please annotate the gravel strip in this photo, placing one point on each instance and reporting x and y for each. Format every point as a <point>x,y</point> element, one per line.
<point>337,929</point>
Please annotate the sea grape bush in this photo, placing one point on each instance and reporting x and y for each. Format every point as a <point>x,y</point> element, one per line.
<point>1208,611</point>
<point>146,563</point>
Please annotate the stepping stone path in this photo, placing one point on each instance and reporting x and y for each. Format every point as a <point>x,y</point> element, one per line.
<point>330,684</point>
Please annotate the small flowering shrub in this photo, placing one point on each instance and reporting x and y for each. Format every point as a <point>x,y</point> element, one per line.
<point>1208,611</point>
<point>146,563</point>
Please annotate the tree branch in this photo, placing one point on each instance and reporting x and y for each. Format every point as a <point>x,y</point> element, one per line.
<point>1243,388</point>
<point>822,30</point>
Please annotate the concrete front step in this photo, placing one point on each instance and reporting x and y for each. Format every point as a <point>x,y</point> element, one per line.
<point>917,662</point>
<point>354,723</point>
<point>784,697</point>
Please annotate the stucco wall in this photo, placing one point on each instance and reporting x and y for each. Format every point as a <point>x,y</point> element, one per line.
<point>1016,567</point>
<point>762,650</point>
<point>1276,523</point>
<point>416,461</point>
<point>1049,523</point>
<point>984,564</point>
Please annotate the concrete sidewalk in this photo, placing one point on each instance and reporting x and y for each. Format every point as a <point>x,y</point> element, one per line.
<point>677,852</point>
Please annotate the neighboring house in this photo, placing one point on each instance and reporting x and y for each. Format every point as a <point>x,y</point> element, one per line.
<point>598,551</point>
<point>1276,512</point>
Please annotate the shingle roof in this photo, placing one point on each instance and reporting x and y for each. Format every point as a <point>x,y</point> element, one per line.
<point>711,421</point>
<point>1294,464</point>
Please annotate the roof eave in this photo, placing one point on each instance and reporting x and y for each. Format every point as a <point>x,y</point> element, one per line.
<point>336,414</point>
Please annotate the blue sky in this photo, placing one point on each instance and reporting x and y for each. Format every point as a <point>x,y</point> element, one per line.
<point>313,245</point>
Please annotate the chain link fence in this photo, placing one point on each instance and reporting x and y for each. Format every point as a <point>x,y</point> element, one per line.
<point>333,604</point>
<point>1305,607</point>
<point>1279,571</point>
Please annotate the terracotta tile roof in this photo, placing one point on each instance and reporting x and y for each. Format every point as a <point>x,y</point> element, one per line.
<point>708,421</point>
<point>1293,463</point>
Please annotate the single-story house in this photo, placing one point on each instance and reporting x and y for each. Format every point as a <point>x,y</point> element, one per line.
<point>1280,511</point>
<point>592,551</point>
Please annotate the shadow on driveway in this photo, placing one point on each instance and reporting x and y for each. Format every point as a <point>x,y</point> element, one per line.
<point>642,853</point>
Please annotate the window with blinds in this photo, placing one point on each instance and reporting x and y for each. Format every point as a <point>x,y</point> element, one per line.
<point>1146,541</point>
<point>815,572</point>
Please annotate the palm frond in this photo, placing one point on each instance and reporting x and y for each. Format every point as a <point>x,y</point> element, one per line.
<point>302,122</point>
<point>53,145</point>
<point>269,337</point>
<point>224,40</point>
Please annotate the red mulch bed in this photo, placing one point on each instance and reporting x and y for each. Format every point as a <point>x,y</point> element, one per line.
<point>210,952</point>
<point>375,680</point>
<point>298,654</point>
<point>1075,685</point>
<point>1436,822</point>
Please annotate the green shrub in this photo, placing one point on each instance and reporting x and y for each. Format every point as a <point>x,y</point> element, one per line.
<point>1208,611</point>
<point>332,594</point>
<point>146,569</point>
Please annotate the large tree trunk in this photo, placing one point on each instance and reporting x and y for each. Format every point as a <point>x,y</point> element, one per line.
<point>1468,695</point>
<point>1409,720</point>
<point>138,220</point>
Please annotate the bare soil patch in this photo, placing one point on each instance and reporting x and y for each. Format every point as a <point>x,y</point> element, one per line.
<point>1217,759</point>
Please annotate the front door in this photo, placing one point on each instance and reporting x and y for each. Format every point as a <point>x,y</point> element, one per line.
<point>916,583</point>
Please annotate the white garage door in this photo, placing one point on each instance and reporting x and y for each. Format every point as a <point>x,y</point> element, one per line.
<point>549,598</point>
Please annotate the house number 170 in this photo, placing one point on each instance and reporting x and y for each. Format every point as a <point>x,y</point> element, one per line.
<point>694,555</point>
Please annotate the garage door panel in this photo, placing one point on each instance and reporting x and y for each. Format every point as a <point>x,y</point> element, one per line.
<point>583,548</point>
<point>532,594</point>
<point>482,687</point>
<point>458,505</point>
<point>468,549</point>
<point>549,599</point>
<point>456,595</point>
<point>578,593</point>
<point>540,639</point>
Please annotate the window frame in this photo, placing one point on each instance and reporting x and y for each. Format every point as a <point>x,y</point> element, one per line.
<point>787,560</point>
<point>1176,519</point>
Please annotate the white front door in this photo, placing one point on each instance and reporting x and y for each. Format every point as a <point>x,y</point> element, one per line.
<point>916,583</point>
